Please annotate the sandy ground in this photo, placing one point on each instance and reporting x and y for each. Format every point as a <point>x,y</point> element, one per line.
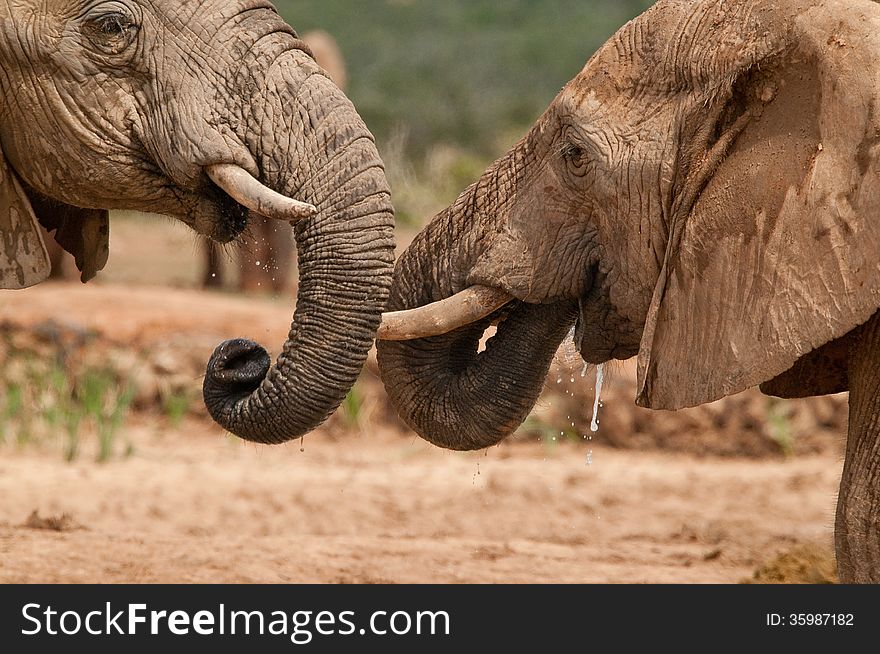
<point>194,505</point>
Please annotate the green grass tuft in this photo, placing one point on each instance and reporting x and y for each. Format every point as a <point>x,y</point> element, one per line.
<point>40,404</point>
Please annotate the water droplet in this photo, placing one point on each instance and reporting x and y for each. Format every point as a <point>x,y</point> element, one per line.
<point>258,264</point>
<point>600,377</point>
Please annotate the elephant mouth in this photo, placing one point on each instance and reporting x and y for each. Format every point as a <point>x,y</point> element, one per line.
<point>600,334</point>
<point>230,195</point>
<point>230,217</point>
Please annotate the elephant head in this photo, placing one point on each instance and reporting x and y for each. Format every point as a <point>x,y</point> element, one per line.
<point>204,111</point>
<point>705,194</point>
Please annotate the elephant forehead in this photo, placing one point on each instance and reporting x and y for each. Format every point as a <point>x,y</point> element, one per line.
<point>645,60</point>
<point>183,11</point>
<point>638,47</point>
<point>681,45</point>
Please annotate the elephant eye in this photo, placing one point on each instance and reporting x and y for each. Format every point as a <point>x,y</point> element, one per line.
<point>112,32</point>
<point>576,157</point>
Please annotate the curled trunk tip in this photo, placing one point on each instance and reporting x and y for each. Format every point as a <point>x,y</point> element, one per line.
<point>458,397</point>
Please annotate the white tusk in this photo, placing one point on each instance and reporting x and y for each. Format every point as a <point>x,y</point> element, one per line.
<point>242,187</point>
<point>441,317</point>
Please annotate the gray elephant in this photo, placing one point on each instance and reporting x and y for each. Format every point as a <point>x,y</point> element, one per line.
<point>205,111</point>
<point>705,194</point>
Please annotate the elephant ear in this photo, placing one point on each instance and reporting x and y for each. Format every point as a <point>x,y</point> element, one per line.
<point>84,233</point>
<point>780,253</point>
<point>24,261</point>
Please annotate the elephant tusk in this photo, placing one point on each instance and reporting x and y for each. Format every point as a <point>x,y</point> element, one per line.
<point>242,187</point>
<point>441,317</point>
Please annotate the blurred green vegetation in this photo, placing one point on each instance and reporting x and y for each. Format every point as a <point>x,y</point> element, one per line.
<point>471,74</point>
<point>446,87</point>
<point>41,402</point>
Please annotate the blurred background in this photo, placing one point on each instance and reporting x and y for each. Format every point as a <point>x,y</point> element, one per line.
<point>447,87</point>
<point>111,372</point>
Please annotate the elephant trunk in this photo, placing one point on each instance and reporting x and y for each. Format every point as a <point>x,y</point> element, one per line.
<point>346,254</point>
<point>444,387</point>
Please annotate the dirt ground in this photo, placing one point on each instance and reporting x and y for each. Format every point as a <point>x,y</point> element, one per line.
<point>194,506</point>
<point>375,503</point>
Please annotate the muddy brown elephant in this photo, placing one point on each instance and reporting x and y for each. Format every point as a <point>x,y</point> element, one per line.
<point>265,251</point>
<point>208,112</point>
<point>705,194</point>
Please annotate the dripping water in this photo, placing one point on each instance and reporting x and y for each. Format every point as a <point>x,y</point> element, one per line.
<point>600,377</point>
